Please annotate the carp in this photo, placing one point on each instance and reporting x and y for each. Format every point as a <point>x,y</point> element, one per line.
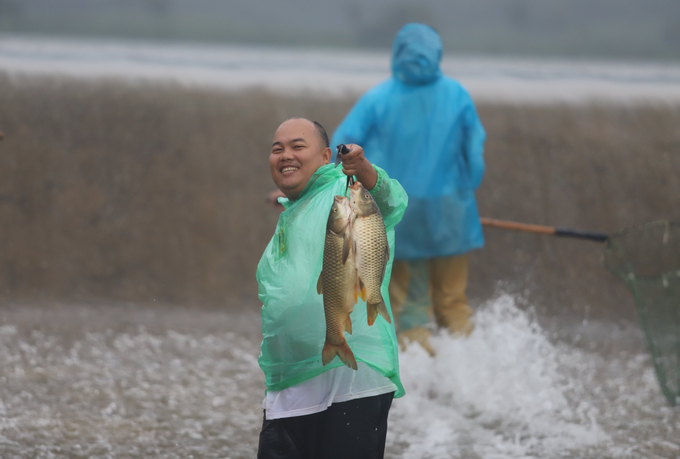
<point>371,251</point>
<point>338,283</point>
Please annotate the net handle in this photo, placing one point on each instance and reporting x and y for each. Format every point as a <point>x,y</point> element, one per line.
<point>540,229</point>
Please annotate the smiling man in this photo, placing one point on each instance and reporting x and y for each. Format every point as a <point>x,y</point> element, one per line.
<point>314,410</point>
<point>300,148</point>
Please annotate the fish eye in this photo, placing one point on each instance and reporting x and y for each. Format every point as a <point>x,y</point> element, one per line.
<point>366,196</point>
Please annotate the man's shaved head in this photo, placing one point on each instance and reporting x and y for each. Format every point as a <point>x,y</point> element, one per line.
<point>322,132</point>
<point>300,147</point>
<point>323,135</point>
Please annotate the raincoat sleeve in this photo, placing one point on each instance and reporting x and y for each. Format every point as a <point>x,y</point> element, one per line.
<point>358,123</point>
<point>473,145</point>
<point>390,198</point>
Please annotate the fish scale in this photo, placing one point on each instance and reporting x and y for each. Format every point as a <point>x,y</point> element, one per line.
<point>338,292</point>
<point>371,243</point>
<point>338,283</point>
<point>371,251</point>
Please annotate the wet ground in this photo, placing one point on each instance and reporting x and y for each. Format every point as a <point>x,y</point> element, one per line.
<point>105,381</point>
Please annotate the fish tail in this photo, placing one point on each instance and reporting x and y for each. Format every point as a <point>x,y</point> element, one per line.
<point>341,350</point>
<point>373,309</point>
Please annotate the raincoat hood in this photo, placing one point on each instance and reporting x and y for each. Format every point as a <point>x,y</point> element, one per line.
<point>416,54</point>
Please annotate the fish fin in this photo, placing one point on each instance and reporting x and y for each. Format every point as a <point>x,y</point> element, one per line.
<point>345,248</point>
<point>382,310</point>
<point>371,313</point>
<point>341,350</point>
<point>361,288</point>
<point>356,290</point>
<point>319,284</point>
<point>348,325</point>
<point>387,257</point>
<point>373,309</point>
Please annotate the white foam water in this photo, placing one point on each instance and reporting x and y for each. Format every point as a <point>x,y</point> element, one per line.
<point>128,394</point>
<point>498,393</point>
<point>507,391</point>
<point>337,73</point>
<point>97,382</point>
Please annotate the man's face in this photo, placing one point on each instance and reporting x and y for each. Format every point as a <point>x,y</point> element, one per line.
<point>297,152</point>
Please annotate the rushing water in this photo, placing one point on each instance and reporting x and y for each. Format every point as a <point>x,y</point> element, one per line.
<point>86,381</point>
<point>337,72</point>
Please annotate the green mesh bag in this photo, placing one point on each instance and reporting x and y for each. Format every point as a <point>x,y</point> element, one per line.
<point>647,259</point>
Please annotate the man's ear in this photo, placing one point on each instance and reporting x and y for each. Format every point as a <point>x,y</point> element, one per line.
<point>327,155</point>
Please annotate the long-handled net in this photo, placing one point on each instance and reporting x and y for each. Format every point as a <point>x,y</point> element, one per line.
<point>647,259</point>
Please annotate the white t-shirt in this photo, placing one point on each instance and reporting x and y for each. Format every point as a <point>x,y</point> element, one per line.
<point>337,385</point>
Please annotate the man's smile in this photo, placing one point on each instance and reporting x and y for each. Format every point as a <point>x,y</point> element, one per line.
<point>288,169</point>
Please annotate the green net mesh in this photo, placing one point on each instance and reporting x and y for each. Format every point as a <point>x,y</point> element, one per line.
<point>647,259</point>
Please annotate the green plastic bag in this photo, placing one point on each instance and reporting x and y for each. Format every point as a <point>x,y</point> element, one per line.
<point>293,321</point>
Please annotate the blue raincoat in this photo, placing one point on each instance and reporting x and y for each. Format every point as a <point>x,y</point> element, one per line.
<point>422,128</point>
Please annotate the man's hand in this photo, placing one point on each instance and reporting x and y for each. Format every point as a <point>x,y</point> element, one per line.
<point>355,163</point>
<point>273,197</point>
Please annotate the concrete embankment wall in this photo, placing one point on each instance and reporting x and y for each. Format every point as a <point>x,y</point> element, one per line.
<point>136,192</point>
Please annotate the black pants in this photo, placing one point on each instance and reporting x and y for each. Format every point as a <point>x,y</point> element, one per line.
<point>355,429</point>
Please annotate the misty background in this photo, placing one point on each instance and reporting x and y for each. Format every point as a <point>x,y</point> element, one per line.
<point>133,183</point>
<point>85,216</point>
<point>639,29</point>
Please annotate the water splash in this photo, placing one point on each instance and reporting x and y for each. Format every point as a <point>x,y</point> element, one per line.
<point>128,395</point>
<point>334,72</point>
<point>143,383</point>
<point>505,392</point>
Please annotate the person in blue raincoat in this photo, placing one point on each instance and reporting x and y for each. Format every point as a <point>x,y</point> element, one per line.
<point>422,128</point>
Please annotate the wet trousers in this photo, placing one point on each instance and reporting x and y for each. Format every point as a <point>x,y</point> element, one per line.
<point>436,286</point>
<point>355,429</point>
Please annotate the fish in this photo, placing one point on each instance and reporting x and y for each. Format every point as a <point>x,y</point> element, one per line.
<point>338,283</point>
<point>371,251</point>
